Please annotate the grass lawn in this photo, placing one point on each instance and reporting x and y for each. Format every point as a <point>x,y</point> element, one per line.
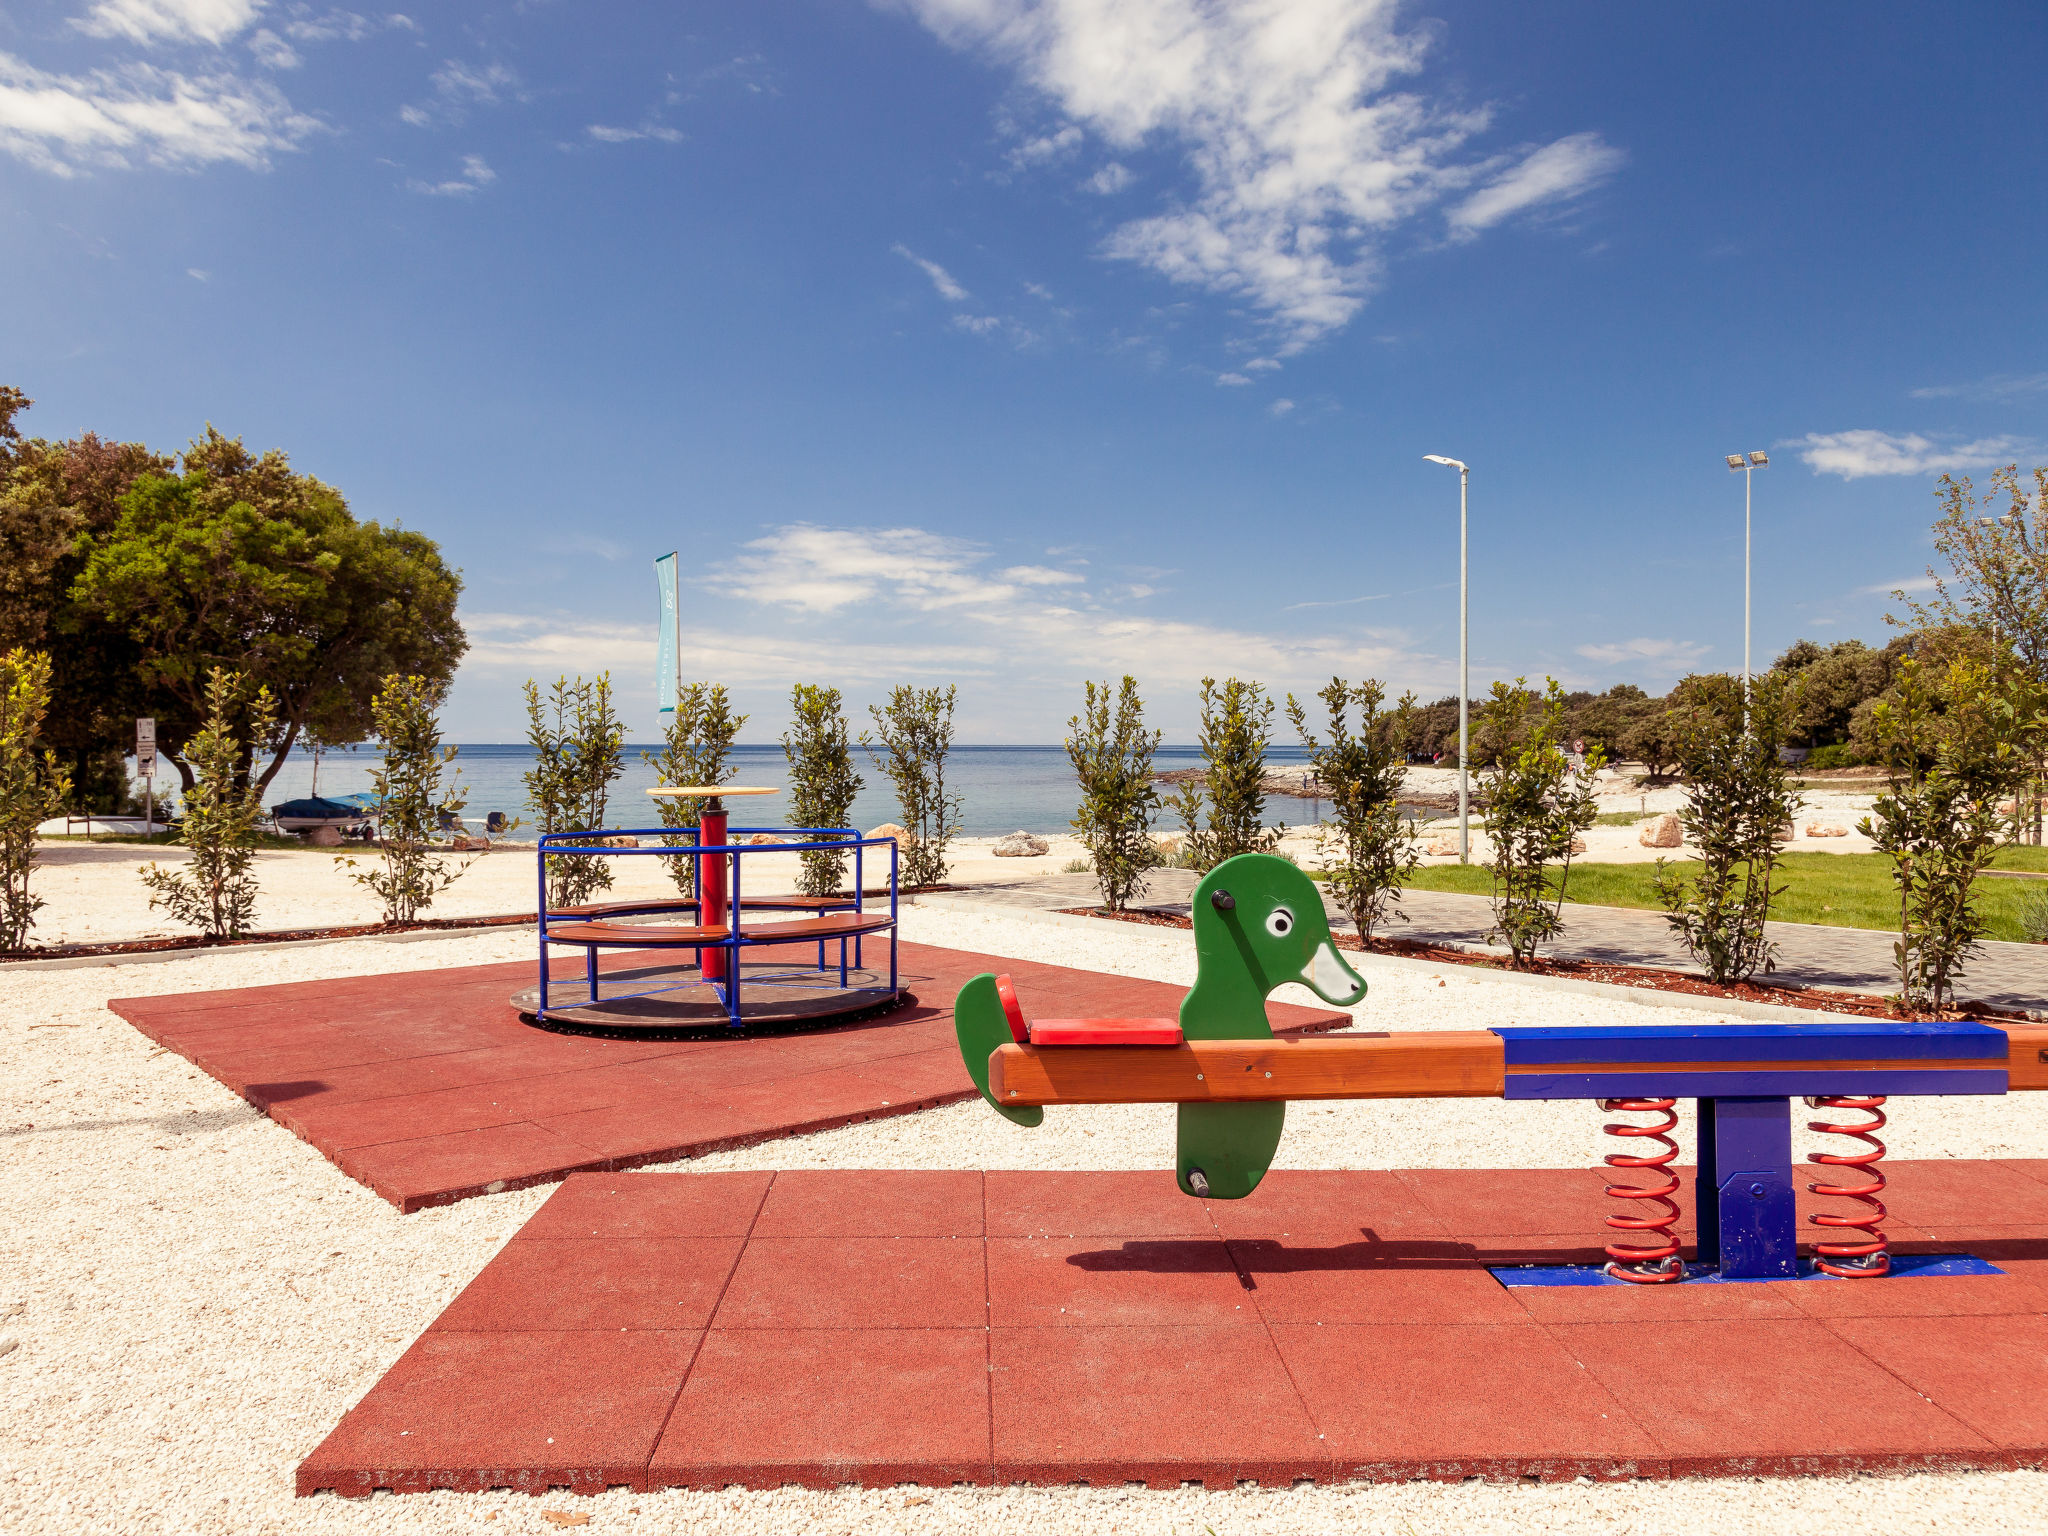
<point>1843,890</point>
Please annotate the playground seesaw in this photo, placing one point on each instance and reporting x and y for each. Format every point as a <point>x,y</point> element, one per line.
<point>1259,924</point>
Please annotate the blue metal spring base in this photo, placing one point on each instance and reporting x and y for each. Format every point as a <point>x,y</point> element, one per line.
<point>1904,1266</point>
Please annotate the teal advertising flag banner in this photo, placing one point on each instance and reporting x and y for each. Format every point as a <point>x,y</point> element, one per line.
<point>668,658</point>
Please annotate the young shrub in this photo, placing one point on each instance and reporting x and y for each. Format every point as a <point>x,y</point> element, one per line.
<point>1367,852</point>
<point>1955,746</point>
<point>1112,756</point>
<point>1533,803</point>
<point>916,730</point>
<point>695,749</point>
<point>1737,796</point>
<point>215,892</point>
<point>32,787</point>
<point>576,743</point>
<point>412,804</point>
<point>822,782</point>
<point>1237,727</point>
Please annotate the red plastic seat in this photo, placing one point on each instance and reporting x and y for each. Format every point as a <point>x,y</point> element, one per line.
<point>1013,1011</point>
<point>1106,1032</point>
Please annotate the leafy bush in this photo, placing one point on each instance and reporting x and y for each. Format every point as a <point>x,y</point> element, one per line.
<point>822,782</point>
<point>411,803</point>
<point>576,742</point>
<point>1955,746</point>
<point>1841,754</point>
<point>1112,756</point>
<point>215,892</point>
<point>1225,812</point>
<point>1533,802</point>
<point>916,730</point>
<point>1736,800</point>
<point>1372,852</point>
<point>2034,913</point>
<point>32,787</point>
<point>695,748</point>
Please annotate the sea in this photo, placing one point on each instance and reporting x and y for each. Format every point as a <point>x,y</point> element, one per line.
<point>1002,789</point>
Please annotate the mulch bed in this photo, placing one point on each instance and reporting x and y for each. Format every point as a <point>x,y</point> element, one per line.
<point>1862,1004</point>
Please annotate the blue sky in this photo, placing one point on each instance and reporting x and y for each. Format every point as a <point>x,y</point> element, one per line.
<point>1011,343</point>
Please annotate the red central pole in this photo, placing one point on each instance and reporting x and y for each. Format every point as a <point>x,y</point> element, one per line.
<point>711,884</point>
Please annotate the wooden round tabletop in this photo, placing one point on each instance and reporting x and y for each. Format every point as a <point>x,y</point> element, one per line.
<point>710,791</point>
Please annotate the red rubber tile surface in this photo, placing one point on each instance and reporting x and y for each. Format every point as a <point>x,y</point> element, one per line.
<point>429,1088</point>
<point>858,1327</point>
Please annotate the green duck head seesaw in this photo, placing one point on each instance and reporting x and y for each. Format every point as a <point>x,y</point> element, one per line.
<point>1259,924</point>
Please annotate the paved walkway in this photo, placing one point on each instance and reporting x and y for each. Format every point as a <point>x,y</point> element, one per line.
<point>823,1327</point>
<point>429,1088</point>
<point>1850,959</point>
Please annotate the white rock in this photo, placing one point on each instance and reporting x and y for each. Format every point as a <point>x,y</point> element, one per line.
<point>324,837</point>
<point>890,829</point>
<point>1022,845</point>
<point>1662,832</point>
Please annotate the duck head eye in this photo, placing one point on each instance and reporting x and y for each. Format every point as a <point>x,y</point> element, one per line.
<point>1280,922</point>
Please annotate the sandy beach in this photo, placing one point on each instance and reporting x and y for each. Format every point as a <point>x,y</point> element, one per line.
<point>192,1296</point>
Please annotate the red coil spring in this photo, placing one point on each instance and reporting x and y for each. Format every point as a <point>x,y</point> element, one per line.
<point>1853,1260</point>
<point>1655,1262</point>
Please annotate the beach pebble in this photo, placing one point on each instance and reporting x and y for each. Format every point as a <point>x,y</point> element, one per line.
<point>1022,845</point>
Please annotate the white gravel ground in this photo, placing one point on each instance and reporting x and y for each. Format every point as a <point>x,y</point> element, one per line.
<point>190,1297</point>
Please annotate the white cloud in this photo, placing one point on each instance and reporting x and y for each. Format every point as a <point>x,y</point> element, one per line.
<point>1999,386</point>
<point>942,280</point>
<point>605,134</point>
<point>1887,588</point>
<point>458,86</point>
<point>272,51</point>
<point>476,175</point>
<point>1232,378</point>
<point>169,21</point>
<point>141,114</point>
<point>1042,620</point>
<point>199,274</point>
<point>1864,452</point>
<point>1654,655</point>
<point>1261,365</point>
<point>1303,150</point>
<point>1108,181</point>
<point>1552,174</point>
<point>1279,407</point>
<point>1045,148</point>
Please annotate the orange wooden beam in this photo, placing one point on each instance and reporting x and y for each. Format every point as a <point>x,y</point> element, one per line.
<point>2027,1056</point>
<point>1451,1064</point>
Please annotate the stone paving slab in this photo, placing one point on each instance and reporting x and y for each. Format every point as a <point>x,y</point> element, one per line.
<point>429,1087</point>
<point>2004,975</point>
<point>660,1330</point>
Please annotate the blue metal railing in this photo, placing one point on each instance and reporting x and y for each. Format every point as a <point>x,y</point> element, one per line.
<point>592,843</point>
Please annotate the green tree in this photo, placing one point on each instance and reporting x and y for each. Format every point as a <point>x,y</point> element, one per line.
<point>412,800</point>
<point>1225,812</point>
<point>1112,758</point>
<point>1367,852</point>
<point>916,731</point>
<point>32,786</point>
<point>1534,803</point>
<point>240,561</point>
<point>52,496</point>
<point>1834,682</point>
<point>215,891</point>
<point>696,748</point>
<point>576,741</point>
<point>822,781</point>
<point>1737,798</point>
<point>1956,741</point>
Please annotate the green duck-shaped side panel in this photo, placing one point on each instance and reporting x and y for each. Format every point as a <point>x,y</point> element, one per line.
<point>980,1025</point>
<point>1259,924</point>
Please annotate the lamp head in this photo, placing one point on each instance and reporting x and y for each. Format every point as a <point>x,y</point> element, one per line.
<point>1736,461</point>
<point>1759,460</point>
<point>1437,458</point>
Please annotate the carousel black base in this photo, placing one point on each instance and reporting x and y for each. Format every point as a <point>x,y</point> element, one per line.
<point>668,1002</point>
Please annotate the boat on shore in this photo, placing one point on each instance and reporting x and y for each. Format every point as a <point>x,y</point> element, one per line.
<point>342,812</point>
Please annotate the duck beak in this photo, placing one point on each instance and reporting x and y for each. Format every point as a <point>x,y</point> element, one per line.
<point>1330,978</point>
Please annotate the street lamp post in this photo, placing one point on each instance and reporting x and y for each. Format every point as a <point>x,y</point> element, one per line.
<point>1464,667</point>
<point>1749,465</point>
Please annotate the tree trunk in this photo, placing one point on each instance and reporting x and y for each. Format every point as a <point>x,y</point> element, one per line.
<point>291,734</point>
